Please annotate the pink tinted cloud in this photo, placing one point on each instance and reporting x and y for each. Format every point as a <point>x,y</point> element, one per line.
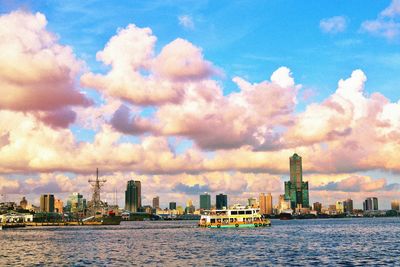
<point>139,77</point>
<point>180,60</point>
<point>36,73</point>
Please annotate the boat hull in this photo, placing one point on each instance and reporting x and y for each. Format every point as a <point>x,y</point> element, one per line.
<point>243,225</point>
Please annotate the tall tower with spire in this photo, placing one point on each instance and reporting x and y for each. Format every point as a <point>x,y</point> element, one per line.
<point>296,190</point>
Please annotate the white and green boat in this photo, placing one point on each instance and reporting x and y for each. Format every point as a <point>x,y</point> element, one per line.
<point>237,217</point>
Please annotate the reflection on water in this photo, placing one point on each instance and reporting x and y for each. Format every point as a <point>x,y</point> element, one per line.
<point>296,242</point>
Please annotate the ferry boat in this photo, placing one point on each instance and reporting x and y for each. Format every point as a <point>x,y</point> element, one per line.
<point>237,217</point>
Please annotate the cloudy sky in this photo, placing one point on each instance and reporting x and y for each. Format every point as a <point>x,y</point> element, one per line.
<point>194,96</point>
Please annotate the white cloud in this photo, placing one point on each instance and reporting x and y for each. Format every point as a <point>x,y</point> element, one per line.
<point>386,24</point>
<point>186,21</point>
<point>333,25</point>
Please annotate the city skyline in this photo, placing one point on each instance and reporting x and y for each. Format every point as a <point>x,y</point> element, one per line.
<point>189,103</point>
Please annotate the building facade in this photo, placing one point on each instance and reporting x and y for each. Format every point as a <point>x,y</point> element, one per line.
<point>221,201</point>
<point>205,201</point>
<point>370,203</point>
<point>172,205</point>
<point>58,206</point>
<point>395,205</point>
<point>133,196</point>
<point>317,207</point>
<point>76,203</point>
<point>156,202</point>
<point>47,203</point>
<point>348,206</point>
<point>296,190</point>
<point>266,204</point>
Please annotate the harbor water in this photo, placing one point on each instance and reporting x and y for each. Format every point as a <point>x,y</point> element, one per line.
<point>358,241</point>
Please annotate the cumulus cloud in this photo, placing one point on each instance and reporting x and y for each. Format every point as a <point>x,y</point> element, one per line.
<point>333,25</point>
<point>139,77</point>
<point>125,123</point>
<point>386,24</point>
<point>186,21</point>
<point>37,74</point>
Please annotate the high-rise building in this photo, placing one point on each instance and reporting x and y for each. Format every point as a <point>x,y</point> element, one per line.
<point>58,206</point>
<point>395,205</point>
<point>47,203</point>
<point>266,203</point>
<point>133,196</point>
<point>23,203</point>
<point>172,205</point>
<point>370,203</point>
<point>221,201</point>
<point>296,190</point>
<point>317,207</point>
<point>205,201</point>
<point>253,202</point>
<point>348,205</point>
<point>156,202</point>
<point>76,203</point>
<point>339,207</point>
<point>190,208</point>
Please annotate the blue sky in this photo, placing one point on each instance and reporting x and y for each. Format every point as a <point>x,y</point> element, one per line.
<point>246,38</point>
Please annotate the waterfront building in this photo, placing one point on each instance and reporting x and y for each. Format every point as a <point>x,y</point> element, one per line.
<point>23,203</point>
<point>266,203</point>
<point>252,202</point>
<point>58,206</point>
<point>317,207</point>
<point>339,207</point>
<point>296,190</point>
<point>156,202</point>
<point>76,203</point>
<point>190,208</point>
<point>133,196</point>
<point>47,203</point>
<point>205,201</point>
<point>348,205</point>
<point>221,201</point>
<point>395,204</point>
<point>284,204</point>
<point>172,205</point>
<point>370,203</point>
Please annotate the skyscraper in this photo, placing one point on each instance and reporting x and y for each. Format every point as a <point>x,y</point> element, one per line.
<point>265,203</point>
<point>156,202</point>
<point>296,190</point>
<point>317,207</point>
<point>205,201</point>
<point>370,203</point>
<point>133,196</point>
<point>172,205</point>
<point>348,205</point>
<point>221,201</point>
<point>76,203</point>
<point>47,203</point>
<point>340,206</point>
<point>395,205</point>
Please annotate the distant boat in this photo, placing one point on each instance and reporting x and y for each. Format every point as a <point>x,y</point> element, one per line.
<point>236,217</point>
<point>286,215</point>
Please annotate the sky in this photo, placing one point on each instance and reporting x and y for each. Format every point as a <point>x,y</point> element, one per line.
<point>200,96</point>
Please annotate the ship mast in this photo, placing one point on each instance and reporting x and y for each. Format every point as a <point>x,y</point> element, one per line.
<point>96,185</point>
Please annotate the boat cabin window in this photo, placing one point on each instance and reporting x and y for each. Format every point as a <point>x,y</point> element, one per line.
<point>234,212</point>
<point>248,211</point>
<point>212,220</point>
<point>241,212</point>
